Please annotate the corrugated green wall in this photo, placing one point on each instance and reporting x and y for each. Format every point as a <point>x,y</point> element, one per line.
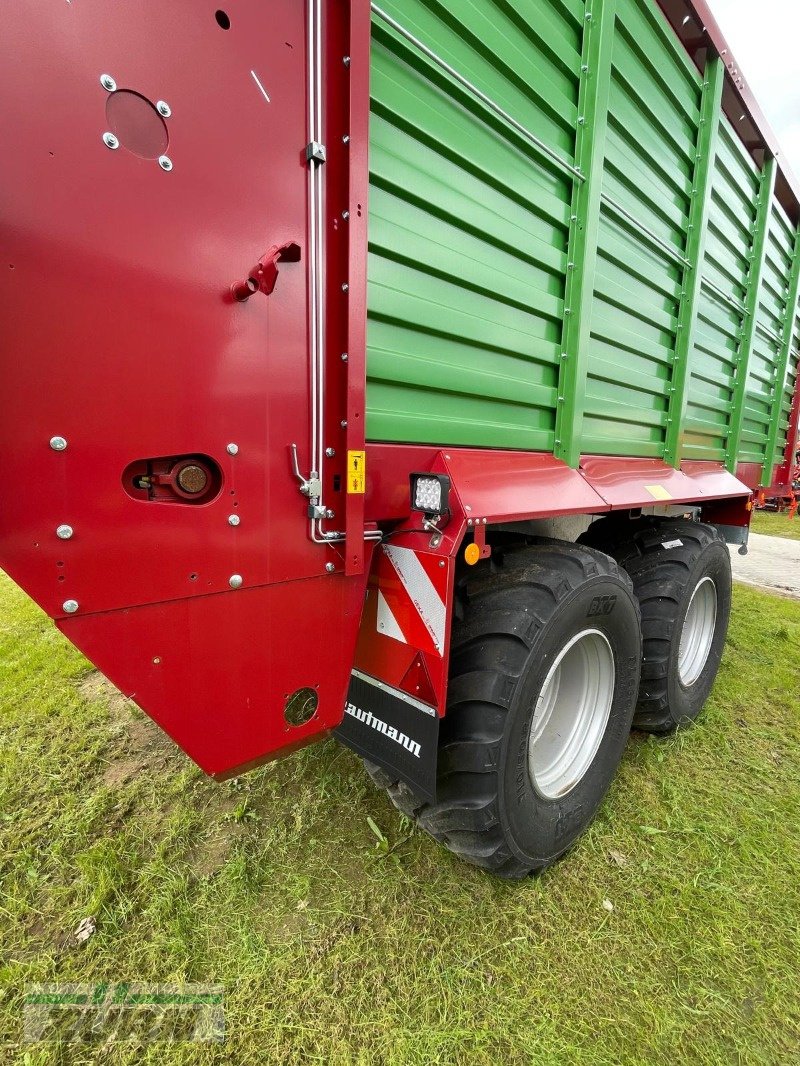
<point>501,313</point>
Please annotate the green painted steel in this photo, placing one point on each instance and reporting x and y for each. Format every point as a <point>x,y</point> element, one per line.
<point>778,414</point>
<point>593,98</point>
<point>695,253</point>
<point>566,250</point>
<point>742,431</point>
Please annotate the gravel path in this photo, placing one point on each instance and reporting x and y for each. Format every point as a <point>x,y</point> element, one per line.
<point>772,563</point>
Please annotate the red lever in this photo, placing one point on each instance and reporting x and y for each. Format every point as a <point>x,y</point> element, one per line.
<point>264,274</point>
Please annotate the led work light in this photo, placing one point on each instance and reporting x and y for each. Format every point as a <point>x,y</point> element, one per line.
<point>430,493</point>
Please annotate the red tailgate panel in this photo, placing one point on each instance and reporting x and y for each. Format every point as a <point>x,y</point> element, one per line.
<point>120,336</point>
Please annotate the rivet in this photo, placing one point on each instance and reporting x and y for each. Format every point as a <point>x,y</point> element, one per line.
<point>108,82</point>
<point>110,141</point>
<point>344,357</point>
<point>64,532</point>
<point>233,520</point>
<point>58,444</point>
<point>232,449</point>
<point>165,162</point>
<point>330,567</point>
<point>330,452</point>
<point>236,581</point>
<point>343,423</point>
<point>346,60</point>
<point>469,522</point>
<point>70,606</point>
<point>345,215</point>
<point>441,562</point>
<point>163,108</point>
<point>156,660</point>
<point>346,139</point>
<point>345,287</point>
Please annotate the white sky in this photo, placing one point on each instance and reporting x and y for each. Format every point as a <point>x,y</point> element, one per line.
<point>764,36</point>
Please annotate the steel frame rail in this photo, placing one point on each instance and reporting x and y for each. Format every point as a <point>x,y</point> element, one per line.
<point>757,260</point>
<point>708,135</point>
<point>787,330</point>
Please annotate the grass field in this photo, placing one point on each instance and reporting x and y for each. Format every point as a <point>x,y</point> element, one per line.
<point>340,942</point>
<point>776,525</point>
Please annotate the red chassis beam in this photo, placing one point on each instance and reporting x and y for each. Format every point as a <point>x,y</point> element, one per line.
<point>490,489</point>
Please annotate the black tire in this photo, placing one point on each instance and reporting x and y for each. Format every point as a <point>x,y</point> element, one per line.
<point>666,560</point>
<point>517,617</point>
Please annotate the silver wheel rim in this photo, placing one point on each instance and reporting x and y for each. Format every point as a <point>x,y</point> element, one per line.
<point>697,634</point>
<point>571,714</point>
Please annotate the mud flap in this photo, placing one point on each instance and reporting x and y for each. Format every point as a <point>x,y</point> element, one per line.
<point>394,730</point>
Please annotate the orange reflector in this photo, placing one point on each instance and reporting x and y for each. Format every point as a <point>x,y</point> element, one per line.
<point>472,554</point>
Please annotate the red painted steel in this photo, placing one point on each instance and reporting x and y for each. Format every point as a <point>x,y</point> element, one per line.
<point>626,483</point>
<point>140,350</point>
<point>358,68</point>
<point>713,481</point>
<point>141,353</point>
<point>413,664</point>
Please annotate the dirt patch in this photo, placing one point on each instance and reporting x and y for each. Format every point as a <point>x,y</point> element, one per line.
<point>210,856</point>
<point>142,744</point>
<point>94,687</point>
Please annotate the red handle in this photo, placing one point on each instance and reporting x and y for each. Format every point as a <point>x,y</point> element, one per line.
<point>264,274</point>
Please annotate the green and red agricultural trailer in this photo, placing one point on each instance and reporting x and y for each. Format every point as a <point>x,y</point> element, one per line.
<point>395,370</point>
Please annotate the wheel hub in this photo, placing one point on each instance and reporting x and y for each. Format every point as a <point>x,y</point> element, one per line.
<point>571,714</point>
<point>697,634</point>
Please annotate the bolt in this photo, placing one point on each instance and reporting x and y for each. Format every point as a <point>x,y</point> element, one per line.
<point>343,423</point>
<point>110,141</point>
<point>345,287</point>
<point>330,452</point>
<point>345,215</point>
<point>156,660</point>
<point>346,139</point>
<point>236,581</point>
<point>330,514</point>
<point>441,562</point>
<point>64,532</point>
<point>163,108</point>
<point>346,60</point>
<point>165,162</point>
<point>232,449</point>
<point>233,520</point>
<point>330,567</point>
<point>108,82</point>
<point>70,606</point>
<point>344,357</point>
<point>58,444</point>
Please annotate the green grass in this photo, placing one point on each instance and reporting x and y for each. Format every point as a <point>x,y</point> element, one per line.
<point>335,947</point>
<point>776,525</point>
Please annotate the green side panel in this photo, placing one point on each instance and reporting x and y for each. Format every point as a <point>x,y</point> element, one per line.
<point>468,223</point>
<point>536,280</point>
<point>725,269</point>
<point>653,123</point>
<point>760,390</point>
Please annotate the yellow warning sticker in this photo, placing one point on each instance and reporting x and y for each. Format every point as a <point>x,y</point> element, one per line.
<point>356,472</point>
<point>658,492</point>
